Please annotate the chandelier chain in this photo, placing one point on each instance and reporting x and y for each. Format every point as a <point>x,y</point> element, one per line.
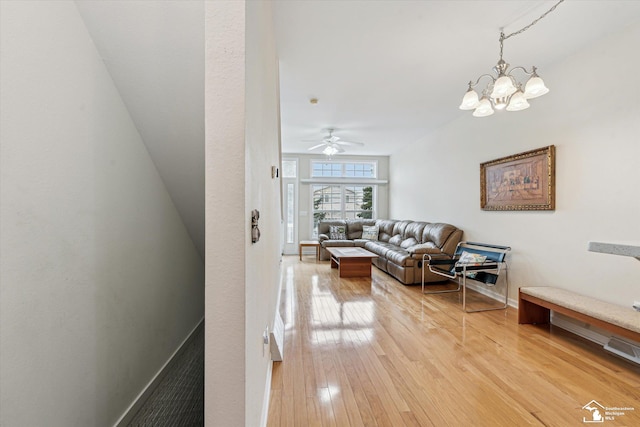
<point>503,37</point>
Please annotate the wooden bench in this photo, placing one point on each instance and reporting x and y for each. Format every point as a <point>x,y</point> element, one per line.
<point>535,304</point>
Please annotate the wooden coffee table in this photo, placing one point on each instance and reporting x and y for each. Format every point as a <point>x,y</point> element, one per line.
<point>351,262</point>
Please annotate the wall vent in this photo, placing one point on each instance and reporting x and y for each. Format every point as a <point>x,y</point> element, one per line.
<point>623,349</point>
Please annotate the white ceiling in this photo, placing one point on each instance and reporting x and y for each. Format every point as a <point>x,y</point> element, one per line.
<point>386,73</point>
<point>389,72</point>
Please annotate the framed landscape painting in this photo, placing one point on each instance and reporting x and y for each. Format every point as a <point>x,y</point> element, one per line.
<point>521,182</point>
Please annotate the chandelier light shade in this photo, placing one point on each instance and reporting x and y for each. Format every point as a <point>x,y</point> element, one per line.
<point>518,102</point>
<point>503,87</point>
<point>483,109</point>
<point>535,87</point>
<point>503,91</point>
<point>470,100</point>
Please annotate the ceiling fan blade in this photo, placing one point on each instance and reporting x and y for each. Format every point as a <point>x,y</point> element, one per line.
<point>348,143</point>
<point>317,146</point>
<point>332,139</point>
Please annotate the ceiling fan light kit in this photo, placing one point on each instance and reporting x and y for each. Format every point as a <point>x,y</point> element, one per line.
<point>330,150</point>
<point>333,144</point>
<point>505,92</point>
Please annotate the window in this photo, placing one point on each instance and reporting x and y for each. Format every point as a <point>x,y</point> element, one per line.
<point>337,169</point>
<point>359,170</point>
<point>289,168</point>
<point>290,198</point>
<point>342,202</point>
<point>326,169</point>
<point>289,174</point>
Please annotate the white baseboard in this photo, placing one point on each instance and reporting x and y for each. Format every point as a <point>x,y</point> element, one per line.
<point>267,397</point>
<point>484,290</point>
<point>137,403</point>
<point>267,387</point>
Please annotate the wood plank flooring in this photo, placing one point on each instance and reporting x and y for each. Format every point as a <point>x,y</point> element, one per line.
<point>373,352</point>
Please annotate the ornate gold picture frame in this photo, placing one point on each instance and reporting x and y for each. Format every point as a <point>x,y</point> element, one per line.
<point>521,182</point>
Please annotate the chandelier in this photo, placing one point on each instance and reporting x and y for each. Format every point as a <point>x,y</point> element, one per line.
<point>504,91</point>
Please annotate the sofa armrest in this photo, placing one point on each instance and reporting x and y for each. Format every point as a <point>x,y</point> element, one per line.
<point>424,248</point>
<point>322,237</point>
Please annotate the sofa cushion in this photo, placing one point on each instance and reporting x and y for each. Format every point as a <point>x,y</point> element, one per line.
<point>379,248</point>
<point>415,230</point>
<point>437,233</point>
<point>385,229</point>
<point>399,257</point>
<point>407,243</point>
<point>396,240</point>
<point>360,242</point>
<point>370,232</point>
<point>338,243</point>
<point>355,227</point>
<point>337,232</point>
<point>400,227</point>
<point>424,248</point>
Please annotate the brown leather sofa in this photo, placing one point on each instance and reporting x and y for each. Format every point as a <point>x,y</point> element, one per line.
<point>400,245</point>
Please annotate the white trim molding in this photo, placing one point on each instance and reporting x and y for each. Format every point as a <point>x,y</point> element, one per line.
<point>346,181</point>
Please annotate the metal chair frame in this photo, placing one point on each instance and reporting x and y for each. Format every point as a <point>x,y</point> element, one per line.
<point>493,265</point>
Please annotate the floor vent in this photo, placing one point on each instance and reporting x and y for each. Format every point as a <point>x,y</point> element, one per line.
<point>623,349</point>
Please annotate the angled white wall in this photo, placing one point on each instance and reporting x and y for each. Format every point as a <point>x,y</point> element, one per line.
<point>242,143</point>
<point>591,116</point>
<point>100,282</point>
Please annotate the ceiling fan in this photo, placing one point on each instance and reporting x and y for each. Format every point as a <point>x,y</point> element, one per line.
<point>333,144</point>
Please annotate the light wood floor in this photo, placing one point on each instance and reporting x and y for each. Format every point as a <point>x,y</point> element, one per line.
<point>374,352</point>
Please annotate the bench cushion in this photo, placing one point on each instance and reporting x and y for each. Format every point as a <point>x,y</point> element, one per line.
<point>624,317</point>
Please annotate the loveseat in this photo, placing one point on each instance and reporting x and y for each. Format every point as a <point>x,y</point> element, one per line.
<point>400,245</point>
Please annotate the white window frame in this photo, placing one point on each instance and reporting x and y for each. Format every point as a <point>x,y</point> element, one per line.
<point>343,210</point>
<point>291,247</point>
<point>343,163</point>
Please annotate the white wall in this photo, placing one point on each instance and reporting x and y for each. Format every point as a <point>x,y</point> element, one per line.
<point>262,193</point>
<point>591,116</point>
<point>242,143</point>
<point>100,282</point>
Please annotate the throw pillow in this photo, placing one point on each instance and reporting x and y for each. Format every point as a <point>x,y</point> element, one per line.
<point>337,232</point>
<point>370,232</point>
<point>471,258</point>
